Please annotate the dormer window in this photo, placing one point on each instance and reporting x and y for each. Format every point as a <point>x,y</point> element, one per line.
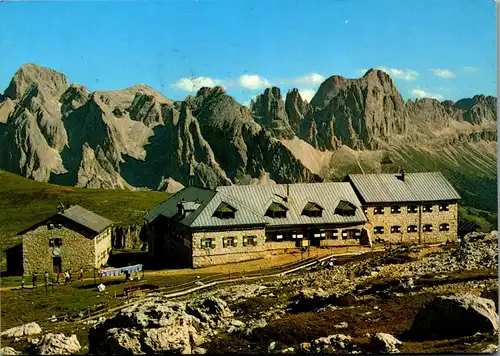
<point>276,211</point>
<point>344,208</point>
<point>224,211</point>
<point>312,210</point>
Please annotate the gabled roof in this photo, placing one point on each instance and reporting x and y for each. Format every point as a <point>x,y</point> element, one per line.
<point>86,218</point>
<point>81,216</point>
<point>416,187</point>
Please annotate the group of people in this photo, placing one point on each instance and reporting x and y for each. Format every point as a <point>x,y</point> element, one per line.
<point>68,278</point>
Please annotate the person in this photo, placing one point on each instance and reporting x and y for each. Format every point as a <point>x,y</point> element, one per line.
<point>66,277</point>
<point>33,279</point>
<point>59,276</point>
<point>46,277</point>
<point>127,276</point>
<point>70,277</point>
<point>81,274</point>
<point>22,282</point>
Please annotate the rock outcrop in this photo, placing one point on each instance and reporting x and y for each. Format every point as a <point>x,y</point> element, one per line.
<point>454,316</point>
<point>160,326</point>
<point>384,343</point>
<point>23,330</point>
<point>65,134</point>
<point>58,344</point>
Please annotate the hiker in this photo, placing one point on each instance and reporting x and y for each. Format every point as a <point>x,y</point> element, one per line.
<point>66,277</point>
<point>81,274</point>
<point>46,277</point>
<point>70,277</point>
<point>33,279</point>
<point>59,277</point>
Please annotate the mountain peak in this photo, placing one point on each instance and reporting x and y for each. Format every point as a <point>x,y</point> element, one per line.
<point>33,75</point>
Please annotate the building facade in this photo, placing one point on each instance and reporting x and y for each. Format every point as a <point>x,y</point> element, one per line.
<point>200,227</point>
<point>408,207</point>
<point>71,239</point>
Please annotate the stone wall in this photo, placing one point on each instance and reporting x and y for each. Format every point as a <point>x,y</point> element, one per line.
<point>220,255</point>
<point>102,247</point>
<point>404,219</point>
<point>76,251</point>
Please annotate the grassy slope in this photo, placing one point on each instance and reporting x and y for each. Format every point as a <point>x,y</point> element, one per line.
<point>23,202</point>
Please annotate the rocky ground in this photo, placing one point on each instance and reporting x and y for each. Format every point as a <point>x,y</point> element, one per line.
<point>371,304</point>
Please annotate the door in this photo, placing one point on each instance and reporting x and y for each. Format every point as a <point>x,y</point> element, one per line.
<point>56,264</point>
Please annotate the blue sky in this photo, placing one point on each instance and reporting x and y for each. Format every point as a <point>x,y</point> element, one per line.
<point>444,49</point>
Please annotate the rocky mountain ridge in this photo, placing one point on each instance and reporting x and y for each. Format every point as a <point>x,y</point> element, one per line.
<point>53,131</point>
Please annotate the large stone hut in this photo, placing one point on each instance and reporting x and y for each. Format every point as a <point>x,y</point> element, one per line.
<point>200,227</point>
<point>70,239</point>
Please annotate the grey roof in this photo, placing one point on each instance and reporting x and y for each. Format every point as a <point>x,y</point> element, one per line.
<point>327,195</point>
<point>416,187</point>
<point>86,218</point>
<point>252,201</point>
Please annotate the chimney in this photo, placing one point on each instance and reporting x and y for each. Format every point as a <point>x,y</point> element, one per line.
<point>401,175</point>
<point>287,192</point>
<point>191,175</point>
<point>60,208</point>
<point>180,208</point>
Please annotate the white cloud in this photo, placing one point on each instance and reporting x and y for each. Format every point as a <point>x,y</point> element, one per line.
<point>195,84</point>
<point>443,73</point>
<point>403,74</point>
<point>471,69</point>
<point>420,93</point>
<point>253,81</point>
<point>307,94</point>
<point>313,78</point>
<point>361,71</point>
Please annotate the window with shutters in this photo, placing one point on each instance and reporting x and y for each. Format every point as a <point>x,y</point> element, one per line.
<point>335,234</point>
<point>229,241</point>
<point>412,228</point>
<point>395,209</point>
<point>427,208</point>
<point>208,243</point>
<point>444,207</point>
<point>379,210</point>
<point>378,230</point>
<point>427,228</point>
<point>444,227</point>
<point>412,209</point>
<point>395,229</point>
<point>249,240</point>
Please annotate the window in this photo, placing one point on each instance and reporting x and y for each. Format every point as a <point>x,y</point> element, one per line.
<point>396,209</point>
<point>320,235</point>
<point>297,236</point>
<point>229,241</point>
<point>444,207</point>
<point>412,209</point>
<point>395,229</point>
<point>427,209</point>
<point>50,226</point>
<point>379,210</point>
<point>312,210</point>
<point>276,211</point>
<point>351,234</point>
<point>378,229</point>
<point>224,211</point>
<point>55,242</point>
<point>208,243</point>
<point>345,208</point>
<point>412,228</point>
<point>427,228</point>
<point>335,234</point>
<point>250,240</point>
<point>365,210</point>
<point>51,242</point>
<point>323,234</point>
<point>444,227</point>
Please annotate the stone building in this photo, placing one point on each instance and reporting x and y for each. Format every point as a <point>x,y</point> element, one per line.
<point>70,239</point>
<point>408,207</point>
<point>199,227</point>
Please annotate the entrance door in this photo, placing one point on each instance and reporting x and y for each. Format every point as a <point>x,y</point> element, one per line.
<point>56,264</point>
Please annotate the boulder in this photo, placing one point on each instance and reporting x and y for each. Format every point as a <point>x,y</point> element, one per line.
<point>305,347</point>
<point>58,344</point>
<point>159,326</point>
<point>199,351</point>
<point>341,325</point>
<point>8,351</point>
<point>384,343</point>
<point>23,330</point>
<point>454,316</point>
<point>490,349</point>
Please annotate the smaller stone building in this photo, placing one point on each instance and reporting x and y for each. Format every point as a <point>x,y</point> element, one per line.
<point>408,207</point>
<point>71,239</point>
